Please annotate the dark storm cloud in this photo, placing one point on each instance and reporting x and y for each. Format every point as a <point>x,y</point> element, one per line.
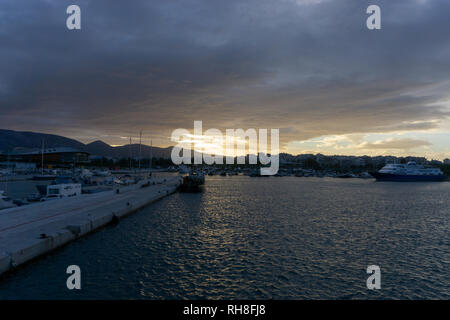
<point>308,67</point>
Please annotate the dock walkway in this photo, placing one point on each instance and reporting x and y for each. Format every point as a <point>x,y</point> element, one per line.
<point>30,231</point>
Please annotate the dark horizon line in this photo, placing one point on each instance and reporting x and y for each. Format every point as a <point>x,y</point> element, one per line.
<point>170,147</point>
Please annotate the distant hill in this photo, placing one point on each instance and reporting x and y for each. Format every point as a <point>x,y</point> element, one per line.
<point>103,149</point>
<point>23,140</point>
<point>12,140</point>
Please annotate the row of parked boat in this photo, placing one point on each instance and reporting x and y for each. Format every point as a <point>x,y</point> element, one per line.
<point>409,172</point>
<point>61,184</point>
<point>281,173</point>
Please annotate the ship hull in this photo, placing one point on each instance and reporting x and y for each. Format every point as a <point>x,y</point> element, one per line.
<point>406,178</point>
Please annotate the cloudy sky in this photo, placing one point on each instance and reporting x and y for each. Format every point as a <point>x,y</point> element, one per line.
<point>308,67</point>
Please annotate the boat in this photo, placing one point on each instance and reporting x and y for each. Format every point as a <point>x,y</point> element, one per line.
<point>345,175</point>
<point>192,182</point>
<point>299,173</point>
<point>34,197</point>
<point>365,175</point>
<point>408,172</point>
<point>58,191</point>
<point>172,169</point>
<point>58,180</point>
<point>5,173</point>
<point>282,173</point>
<point>308,173</point>
<point>86,174</point>
<point>183,169</point>
<point>5,201</point>
<point>257,173</point>
<point>41,177</point>
<point>125,180</point>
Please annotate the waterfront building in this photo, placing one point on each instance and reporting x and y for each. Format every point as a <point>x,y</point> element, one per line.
<point>51,155</point>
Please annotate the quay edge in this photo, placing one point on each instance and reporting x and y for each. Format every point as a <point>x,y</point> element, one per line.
<point>18,247</point>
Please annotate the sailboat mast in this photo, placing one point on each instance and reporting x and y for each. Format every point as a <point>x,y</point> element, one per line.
<point>130,152</point>
<point>140,149</point>
<point>42,157</point>
<point>7,172</point>
<point>151,155</point>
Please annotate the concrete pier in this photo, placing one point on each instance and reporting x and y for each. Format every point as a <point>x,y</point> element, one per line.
<point>30,231</point>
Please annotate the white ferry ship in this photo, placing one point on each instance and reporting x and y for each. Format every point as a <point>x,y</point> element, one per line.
<point>408,172</point>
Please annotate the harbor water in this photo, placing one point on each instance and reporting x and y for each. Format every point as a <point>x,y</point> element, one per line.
<point>261,238</point>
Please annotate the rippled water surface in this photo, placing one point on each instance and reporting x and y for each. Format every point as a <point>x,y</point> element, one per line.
<point>257,238</point>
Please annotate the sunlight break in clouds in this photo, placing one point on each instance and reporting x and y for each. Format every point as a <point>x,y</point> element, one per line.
<point>308,67</point>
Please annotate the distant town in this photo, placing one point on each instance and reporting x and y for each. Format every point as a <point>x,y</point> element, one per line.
<point>22,151</point>
<point>66,157</point>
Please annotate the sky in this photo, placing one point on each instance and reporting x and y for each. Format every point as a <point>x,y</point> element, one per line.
<point>310,68</point>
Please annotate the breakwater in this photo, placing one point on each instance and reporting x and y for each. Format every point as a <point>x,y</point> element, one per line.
<point>31,231</point>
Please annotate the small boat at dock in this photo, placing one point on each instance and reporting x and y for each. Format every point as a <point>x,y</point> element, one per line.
<point>5,201</point>
<point>41,177</point>
<point>346,175</point>
<point>58,191</point>
<point>192,182</point>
